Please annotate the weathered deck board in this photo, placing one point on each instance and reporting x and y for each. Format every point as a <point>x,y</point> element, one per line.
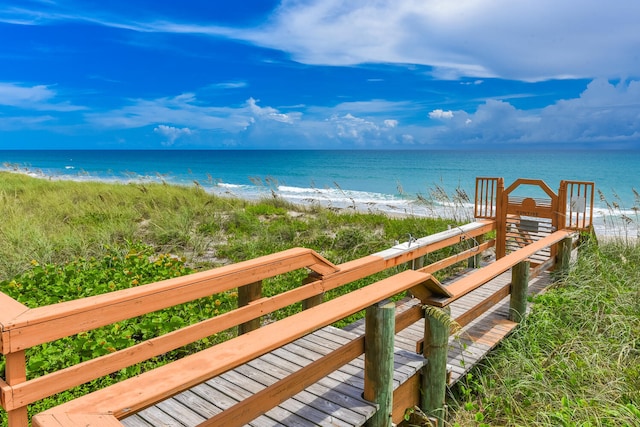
<point>335,400</point>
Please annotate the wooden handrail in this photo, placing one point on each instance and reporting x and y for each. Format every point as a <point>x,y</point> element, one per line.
<point>482,276</point>
<point>41,387</point>
<point>131,395</point>
<point>411,250</point>
<point>28,328</point>
<point>73,317</point>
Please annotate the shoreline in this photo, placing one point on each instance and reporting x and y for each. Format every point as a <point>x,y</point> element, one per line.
<point>608,225</point>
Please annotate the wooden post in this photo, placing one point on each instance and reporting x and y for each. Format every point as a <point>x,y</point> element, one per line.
<point>519,291</point>
<point>316,299</point>
<point>16,373</point>
<point>502,200</point>
<point>474,261</point>
<point>434,378</point>
<point>246,294</point>
<point>414,264</point>
<point>378,361</point>
<point>564,255</point>
<point>418,263</point>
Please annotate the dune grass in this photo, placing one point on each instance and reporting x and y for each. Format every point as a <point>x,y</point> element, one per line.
<point>58,221</point>
<point>575,361</point>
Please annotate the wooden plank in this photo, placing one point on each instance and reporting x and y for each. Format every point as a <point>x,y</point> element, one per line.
<point>403,360</point>
<point>353,384</point>
<point>135,421</point>
<point>217,402</point>
<point>342,395</point>
<point>210,393</point>
<point>483,306</point>
<point>66,420</point>
<point>150,387</point>
<point>267,374</point>
<point>404,397</point>
<point>157,417</point>
<point>196,403</point>
<point>276,415</point>
<point>187,415</point>
<point>315,414</point>
<point>319,344</point>
<point>337,335</point>
<point>267,398</point>
<point>293,405</point>
<point>351,372</point>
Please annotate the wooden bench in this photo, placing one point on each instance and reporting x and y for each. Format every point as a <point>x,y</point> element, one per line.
<point>106,406</point>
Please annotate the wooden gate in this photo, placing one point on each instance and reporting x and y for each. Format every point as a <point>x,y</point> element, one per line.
<point>524,219</point>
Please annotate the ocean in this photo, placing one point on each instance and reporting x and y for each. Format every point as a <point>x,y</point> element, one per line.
<point>398,182</point>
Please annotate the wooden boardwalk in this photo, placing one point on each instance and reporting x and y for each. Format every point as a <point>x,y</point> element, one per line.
<point>232,385</point>
<point>336,400</point>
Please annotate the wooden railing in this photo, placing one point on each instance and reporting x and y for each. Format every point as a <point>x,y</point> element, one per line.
<point>23,328</point>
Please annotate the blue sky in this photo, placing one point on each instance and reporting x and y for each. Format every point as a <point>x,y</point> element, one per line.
<point>384,74</point>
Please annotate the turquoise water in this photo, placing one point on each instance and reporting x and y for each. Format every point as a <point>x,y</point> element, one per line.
<point>375,180</point>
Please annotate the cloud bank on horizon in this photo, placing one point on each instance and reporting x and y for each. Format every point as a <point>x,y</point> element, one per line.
<point>387,74</point>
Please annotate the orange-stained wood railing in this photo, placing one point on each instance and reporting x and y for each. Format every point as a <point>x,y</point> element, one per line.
<point>23,328</point>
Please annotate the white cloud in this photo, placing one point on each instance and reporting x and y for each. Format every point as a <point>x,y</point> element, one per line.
<point>171,133</point>
<point>22,122</point>
<point>375,107</point>
<point>603,114</point>
<point>228,85</point>
<point>39,97</point>
<point>184,110</point>
<point>530,40</point>
<point>269,113</point>
<point>408,139</point>
<point>363,132</point>
<point>475,82</point>
<point>441,114</point>
<point>516,40</point>
<point>188,115</point>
